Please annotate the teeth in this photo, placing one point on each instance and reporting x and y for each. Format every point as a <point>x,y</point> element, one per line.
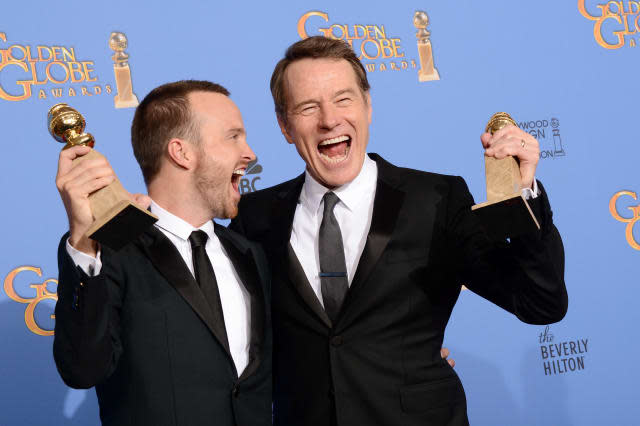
<point>239,172</point>
<point>337,159</point>
<point>334,140</point>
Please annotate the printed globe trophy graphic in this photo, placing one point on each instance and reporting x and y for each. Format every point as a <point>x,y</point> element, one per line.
<point>125,98</point>
<point>506,213</point>
<point>427,71</point>
<point>117,220</point>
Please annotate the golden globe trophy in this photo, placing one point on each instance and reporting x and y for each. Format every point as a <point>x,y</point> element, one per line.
<point>427,70</point>
<point>506,213</point>
<point>117,220</point>
<point>125,97</point>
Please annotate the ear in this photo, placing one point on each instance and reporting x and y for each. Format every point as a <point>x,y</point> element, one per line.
<point>181,153</point>
<point>284,130</point>
<point>369,107</point>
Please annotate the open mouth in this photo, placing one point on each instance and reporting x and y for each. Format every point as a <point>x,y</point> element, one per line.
<point>335,150</point>
<point>235,179</point>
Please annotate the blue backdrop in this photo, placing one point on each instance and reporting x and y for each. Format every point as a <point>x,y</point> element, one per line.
<point>566,71</point>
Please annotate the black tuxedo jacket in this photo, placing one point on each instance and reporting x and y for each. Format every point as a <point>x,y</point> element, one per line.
<point>143,334</point>
<point>379,363</point>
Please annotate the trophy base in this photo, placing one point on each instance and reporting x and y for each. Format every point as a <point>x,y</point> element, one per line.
<point>120,225</point>
<point>423,76</point>
<point>508,217</point>
<point>131,102</point>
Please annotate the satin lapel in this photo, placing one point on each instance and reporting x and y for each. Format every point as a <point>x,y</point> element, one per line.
<point>244,263</point>
<point>283,211</point>
<point>303,287</point>
<point>166,258</point>
<point>386,206</point>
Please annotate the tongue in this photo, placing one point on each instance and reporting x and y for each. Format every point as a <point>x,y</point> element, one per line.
<point>334,150</point>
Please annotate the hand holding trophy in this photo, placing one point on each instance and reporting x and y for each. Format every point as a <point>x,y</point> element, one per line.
<point>506,213</point>
<point>116,219</point>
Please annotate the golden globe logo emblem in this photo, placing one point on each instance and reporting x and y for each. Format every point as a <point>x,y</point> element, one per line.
<point>38,66</point>
<point>630,221</point>
<point>41,293</point>
<point>369,42</point>
<point>617,21</point>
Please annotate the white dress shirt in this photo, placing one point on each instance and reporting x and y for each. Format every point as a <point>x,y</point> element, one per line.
<point>236,302</point>
<point>353,213</point>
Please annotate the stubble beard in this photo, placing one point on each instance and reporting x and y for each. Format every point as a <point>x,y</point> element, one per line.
<point>212,187</point>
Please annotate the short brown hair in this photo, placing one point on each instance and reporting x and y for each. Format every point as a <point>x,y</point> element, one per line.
<point>162,115</point>
<point>315,47</point>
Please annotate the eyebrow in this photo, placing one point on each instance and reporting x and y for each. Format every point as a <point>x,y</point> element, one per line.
<point>236,130</point>
<point>312,101</point>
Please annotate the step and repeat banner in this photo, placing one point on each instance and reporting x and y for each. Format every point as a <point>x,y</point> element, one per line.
<point>566,71</point>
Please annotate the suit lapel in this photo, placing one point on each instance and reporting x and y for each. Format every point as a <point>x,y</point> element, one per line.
<point>166,258</point>
<point>299,280</point>
<point>386,207</point>
<point>282,214</point>
<point>241,257</point>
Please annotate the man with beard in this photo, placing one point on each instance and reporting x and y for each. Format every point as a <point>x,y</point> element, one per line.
<point>368,258</point>
<point>175,327</point>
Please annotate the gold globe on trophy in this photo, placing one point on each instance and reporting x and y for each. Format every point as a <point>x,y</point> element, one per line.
<point>506,213</point>
<point>117,220</point>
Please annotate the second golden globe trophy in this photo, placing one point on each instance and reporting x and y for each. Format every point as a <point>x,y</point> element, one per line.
<point>117,220</point>
<point>506,213</point>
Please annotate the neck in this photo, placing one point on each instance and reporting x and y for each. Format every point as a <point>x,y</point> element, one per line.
<point>180,201</point>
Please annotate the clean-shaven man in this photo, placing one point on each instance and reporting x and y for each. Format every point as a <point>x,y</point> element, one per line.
<point>368,258</point>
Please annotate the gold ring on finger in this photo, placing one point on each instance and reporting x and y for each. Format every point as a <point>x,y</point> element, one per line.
<point>522,143</point>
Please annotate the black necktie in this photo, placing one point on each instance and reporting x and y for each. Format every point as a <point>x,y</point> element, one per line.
<point>333,269</point>
<point>206,278</point>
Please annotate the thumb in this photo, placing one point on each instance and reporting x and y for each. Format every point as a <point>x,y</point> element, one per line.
<point>142,200</point>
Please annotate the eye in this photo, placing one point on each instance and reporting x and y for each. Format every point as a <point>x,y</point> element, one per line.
<point>344,101</point>
<point>308,110</point>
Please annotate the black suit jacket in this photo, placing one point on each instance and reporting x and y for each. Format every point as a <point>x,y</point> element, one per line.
<point>379,363</point>
<point>143,334</point>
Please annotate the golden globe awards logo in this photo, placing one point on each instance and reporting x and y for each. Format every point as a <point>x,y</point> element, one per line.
<point>39,293</point>
<point>378,49</point>
<point>46,71</point>
<point>57,72</point>
<point>616,23</point>
<point>630,221</point>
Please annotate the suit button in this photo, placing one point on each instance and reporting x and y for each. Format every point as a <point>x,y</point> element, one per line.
<point>336,341</point>
<point>235,391</point>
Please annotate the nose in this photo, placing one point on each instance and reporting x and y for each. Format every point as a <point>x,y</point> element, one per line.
<point>248,153</point>
<point>328,117</point>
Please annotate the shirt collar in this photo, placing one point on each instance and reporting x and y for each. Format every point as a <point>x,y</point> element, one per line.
<point>351,193</point>
<point>177,226</point>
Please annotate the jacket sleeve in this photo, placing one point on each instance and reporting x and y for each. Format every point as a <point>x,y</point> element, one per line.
<point>523,275</point>
<point>86,345</point>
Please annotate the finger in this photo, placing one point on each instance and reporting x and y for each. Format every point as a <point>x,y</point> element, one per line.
<point>486,138</point>
<point>451,362</point>
<point>76,192</point>
<point>65,160</point>
<point>82,175</point>
<point>526,149</point>
<point>444,353</point>
<point>79,168</point>
<point>508,130</point>
<point>141,200</point>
